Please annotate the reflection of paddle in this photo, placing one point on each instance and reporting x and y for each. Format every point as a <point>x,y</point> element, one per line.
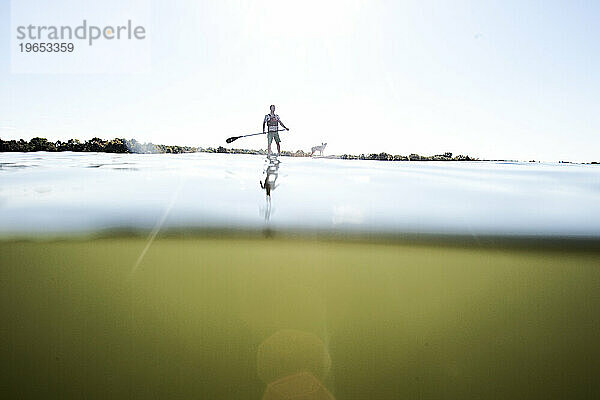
<point>233,138</point>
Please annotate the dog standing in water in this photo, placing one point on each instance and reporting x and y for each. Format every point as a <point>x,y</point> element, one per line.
<point>318,148</point>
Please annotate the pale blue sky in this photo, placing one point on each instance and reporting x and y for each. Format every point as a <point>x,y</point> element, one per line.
<point>494,79</point>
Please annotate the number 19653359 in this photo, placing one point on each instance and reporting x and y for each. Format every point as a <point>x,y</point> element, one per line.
<point>46,47</point>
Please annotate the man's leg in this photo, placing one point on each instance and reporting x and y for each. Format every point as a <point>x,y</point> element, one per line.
<point>277,140</point>
<point>269,140</point>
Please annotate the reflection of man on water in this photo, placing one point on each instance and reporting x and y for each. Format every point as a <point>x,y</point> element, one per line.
<point>272,121</point>
<point>269,182</point>
<point>271,177</point>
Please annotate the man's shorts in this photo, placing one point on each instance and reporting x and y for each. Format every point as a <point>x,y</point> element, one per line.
<point>273,135</point>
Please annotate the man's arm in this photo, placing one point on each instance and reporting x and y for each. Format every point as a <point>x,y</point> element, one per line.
<point>264,122</point>
<point>283,125</point>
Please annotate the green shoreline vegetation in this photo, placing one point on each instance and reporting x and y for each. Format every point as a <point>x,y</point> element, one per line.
<point>121,145</point>
<point>117,145</point>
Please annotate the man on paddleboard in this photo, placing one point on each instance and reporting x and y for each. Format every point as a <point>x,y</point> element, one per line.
<point>272,121</point>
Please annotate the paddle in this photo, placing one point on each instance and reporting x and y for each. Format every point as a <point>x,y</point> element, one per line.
<point>234,138</point>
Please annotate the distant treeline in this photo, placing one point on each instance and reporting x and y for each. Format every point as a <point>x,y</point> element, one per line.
<point>117,145</point>
<point>376,157</point>
<point>412,157</point>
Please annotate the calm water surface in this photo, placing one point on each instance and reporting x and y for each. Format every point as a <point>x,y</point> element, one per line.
<point>75,192</point>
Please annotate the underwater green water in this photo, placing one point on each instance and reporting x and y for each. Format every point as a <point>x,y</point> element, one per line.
<point>252,318</point>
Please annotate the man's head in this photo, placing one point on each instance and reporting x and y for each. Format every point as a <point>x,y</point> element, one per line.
<point>272,108</point>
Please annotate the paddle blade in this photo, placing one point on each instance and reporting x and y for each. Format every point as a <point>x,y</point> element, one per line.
<point>231,139</point>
